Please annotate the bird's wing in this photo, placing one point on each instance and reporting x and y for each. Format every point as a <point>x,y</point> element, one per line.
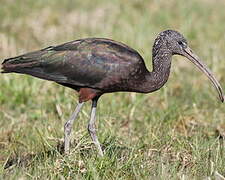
<point>85,63</point>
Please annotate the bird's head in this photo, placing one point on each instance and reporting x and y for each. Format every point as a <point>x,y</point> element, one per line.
<point>177,45</point>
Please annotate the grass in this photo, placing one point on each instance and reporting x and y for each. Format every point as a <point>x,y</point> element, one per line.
<point>174,133</point>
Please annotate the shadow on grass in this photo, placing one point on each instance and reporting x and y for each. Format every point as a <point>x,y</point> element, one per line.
<point>109,146</point>
<point>112,148</point>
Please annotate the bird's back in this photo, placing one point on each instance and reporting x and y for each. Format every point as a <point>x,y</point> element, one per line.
<point>94,62</point>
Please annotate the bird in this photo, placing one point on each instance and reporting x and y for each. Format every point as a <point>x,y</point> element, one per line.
<point>96,66</point>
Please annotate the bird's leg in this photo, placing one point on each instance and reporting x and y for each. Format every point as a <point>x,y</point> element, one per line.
<point>91,127</point>
<point>68,126</point>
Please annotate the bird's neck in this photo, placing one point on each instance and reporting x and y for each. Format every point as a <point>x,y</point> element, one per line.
<point>161,61</point>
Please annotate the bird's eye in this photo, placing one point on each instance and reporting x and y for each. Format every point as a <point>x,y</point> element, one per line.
<point>180,43</point>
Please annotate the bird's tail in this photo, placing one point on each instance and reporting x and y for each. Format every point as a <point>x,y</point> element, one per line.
<point>16,64</point>
<point>20,63</point>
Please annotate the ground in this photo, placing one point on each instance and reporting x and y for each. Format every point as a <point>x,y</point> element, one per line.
<point>175,133</point>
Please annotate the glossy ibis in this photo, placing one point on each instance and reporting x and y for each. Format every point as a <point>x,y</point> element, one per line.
<point>95,66</point>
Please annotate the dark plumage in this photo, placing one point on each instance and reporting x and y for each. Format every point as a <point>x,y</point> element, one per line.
<point>95,66</point>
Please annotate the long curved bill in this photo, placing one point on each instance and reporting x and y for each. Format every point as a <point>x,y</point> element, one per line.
<point>195,59</point>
